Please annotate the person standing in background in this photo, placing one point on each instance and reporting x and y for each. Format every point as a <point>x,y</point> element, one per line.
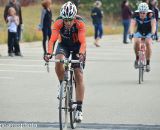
<point>76,2</point>
<point>97,15</point>
<point>13,22</point>
<point>126,19</point>
<point>146,1</point>
<point>46,21</point>
<point>154,8</point>
<point>17,7</point>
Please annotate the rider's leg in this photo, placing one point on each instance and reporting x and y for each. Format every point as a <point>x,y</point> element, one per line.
<point>79,88</point>
<point>137,42</point>
<point>59,68</point>
<point>79,94</point>
<point>148,50</point>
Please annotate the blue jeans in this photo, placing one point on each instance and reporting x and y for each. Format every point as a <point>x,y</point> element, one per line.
<point>126,24</point>
<point>98,31</point>
<point>156,30</point>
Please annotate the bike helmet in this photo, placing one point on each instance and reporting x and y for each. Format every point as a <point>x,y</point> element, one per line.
<point>68,10</point>
<point>143,7</point>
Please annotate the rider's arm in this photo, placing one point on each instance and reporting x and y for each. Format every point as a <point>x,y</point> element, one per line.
<point>82,36</point>
<point>153,24</point>
<point>132,26</point>
<point>55,33</point>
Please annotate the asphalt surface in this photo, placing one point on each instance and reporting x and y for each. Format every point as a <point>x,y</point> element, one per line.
<point>113,98</point>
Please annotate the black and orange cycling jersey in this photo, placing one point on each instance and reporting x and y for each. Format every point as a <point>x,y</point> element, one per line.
<point>75,36</point>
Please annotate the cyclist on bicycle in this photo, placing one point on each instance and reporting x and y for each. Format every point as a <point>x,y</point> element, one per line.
<point>146,26</point>
<point>70,30</point>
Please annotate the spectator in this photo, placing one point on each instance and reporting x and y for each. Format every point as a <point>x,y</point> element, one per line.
<point>13,22</point>
<point>76,2</point>
<point>126,19</point>
<point>46,21</point>
<point>17,7</point>
<point>97,15</point>
<point>147,1</point>
<point>154,8</point>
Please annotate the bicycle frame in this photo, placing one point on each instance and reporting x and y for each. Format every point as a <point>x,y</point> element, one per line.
<point>142,59</point>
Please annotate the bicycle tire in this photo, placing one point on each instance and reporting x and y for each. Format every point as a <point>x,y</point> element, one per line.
<point>73,123</point>
<point>143,74</point>
<point>140,72</point>
<point>48,70</point>
<point>63,106</point>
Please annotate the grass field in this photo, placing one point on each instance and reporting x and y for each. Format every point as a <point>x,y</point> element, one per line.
<point>31,19</point>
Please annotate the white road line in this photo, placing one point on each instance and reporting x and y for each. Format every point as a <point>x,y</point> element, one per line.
<point>22,71</point>
<point>18,65</point>
<point>21,60</point>
<point>6,78</point>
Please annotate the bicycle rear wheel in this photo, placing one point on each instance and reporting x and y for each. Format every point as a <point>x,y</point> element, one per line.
<point>63,106</point>
<point>72,105</point>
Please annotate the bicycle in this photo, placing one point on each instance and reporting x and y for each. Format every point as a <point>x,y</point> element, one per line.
<point>67,102</point>
<point>142,60</point>
<point>142,57</point>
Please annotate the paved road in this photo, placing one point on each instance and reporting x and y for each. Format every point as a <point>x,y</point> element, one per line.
<point>113,101</point>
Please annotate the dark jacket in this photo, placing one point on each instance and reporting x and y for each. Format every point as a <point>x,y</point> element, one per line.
<point>76,2</point>
<point>126,13</point>
<point>155,11</point>
<point>17,8</point>
<point>96,15</point>
<point>46,19</point>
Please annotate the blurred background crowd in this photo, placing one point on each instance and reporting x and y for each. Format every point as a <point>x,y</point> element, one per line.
<point>116,16</point>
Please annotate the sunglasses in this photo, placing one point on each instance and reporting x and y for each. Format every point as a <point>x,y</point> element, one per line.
<point>68,20</point>
<point>142,12</point>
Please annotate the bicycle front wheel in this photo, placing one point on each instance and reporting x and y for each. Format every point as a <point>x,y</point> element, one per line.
<point>72,105</point>
<point>63,106</point>
<point>141,72</point>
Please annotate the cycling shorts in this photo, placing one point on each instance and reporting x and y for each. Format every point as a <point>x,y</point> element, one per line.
<point>139,35</point>
<point>65,50</point>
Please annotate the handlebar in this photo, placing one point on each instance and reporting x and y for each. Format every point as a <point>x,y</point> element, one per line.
<point>64,61</point>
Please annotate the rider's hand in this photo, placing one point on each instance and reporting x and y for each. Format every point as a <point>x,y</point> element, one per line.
<point>153,36</point>
<point>47,57</point>
<point>130,36</point>
<point>81,57</point>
